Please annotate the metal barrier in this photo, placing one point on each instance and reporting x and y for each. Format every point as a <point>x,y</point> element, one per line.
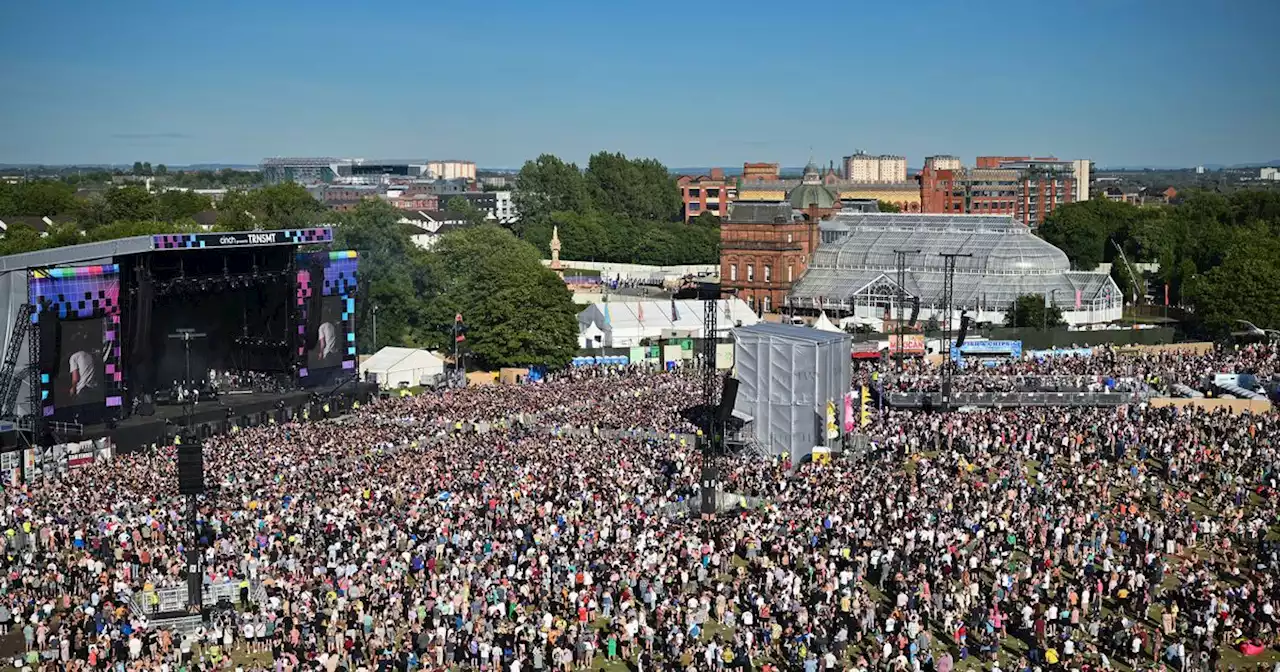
<point>1000,400</point>
<point>174,598</point>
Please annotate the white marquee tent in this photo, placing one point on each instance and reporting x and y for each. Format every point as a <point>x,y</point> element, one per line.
<point>393,367</point>
<point>823,323</point>
<point>626,323</point>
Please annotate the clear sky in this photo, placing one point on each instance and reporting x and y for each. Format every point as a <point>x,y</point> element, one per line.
<point>1124,82</point>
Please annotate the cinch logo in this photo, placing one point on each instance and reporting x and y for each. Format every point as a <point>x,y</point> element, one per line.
<point>227,240</point>
<point>262,238</point>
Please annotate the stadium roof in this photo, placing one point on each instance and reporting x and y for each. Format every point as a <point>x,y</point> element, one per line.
<point>857,256</point>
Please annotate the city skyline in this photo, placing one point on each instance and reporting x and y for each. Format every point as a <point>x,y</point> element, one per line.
<point>1154,84</point>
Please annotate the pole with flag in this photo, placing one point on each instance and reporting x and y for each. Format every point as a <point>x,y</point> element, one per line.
<point>459,335</point>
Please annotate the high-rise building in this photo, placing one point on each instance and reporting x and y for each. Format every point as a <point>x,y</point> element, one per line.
<point>452,169</point>
<point>1027,188</point>
<point>863,168</point>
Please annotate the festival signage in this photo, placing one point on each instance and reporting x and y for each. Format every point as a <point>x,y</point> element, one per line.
<point>912,344</point>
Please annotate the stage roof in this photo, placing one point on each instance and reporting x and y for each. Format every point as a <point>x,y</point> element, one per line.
<point>89,252</point>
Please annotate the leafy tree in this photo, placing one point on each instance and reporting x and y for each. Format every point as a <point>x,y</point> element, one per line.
<point>137,168</point>
<point>546,185</point>
<point>146,169</point>
<point>517,311</point>
<point>162,170</point>
<point>1244,287</point>
<point>43,198</point>
<point>1029,310</point>
<point>286,206</point>
<point>130,202</point>
<point>174,205</point>
<point>635,188</point>
<point>461,207</point>
<point>20,238</point>
<point>886,206</point>
<point>706,219</point>
<point>279,206</point>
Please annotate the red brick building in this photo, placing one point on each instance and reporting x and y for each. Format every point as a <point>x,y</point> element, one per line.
<point>766,246</point>
<point>1028,189</point>
<point>706,193</point>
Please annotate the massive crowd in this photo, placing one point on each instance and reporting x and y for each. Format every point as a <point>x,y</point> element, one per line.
<point>533,529</point>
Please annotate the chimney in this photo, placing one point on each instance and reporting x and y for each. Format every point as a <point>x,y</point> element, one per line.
<point>717,173</point>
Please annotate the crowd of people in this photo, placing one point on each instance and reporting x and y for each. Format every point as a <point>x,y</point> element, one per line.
<point>546,527</point>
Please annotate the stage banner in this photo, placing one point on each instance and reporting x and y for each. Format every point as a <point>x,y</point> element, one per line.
<point>724,356</point>
<point>833,431</point>
<point>198,241</point>
<point>638,353</point>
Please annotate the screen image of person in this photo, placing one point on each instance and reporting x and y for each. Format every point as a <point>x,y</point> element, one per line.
<point>330,338</point>
<point>80,374</point>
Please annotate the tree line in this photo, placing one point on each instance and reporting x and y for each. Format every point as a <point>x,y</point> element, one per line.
<point>1218,254</point>
<point>618,209</point>
<point>518,312</point>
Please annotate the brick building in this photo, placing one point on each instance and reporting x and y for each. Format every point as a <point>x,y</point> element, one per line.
<point>765,246</point>
<point>706,193</point>
<point>1029,189</point>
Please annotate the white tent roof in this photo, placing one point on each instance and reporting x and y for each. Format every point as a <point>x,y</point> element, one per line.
<point>824,324</point>
<point>391,359</point>
<point>652,319</point>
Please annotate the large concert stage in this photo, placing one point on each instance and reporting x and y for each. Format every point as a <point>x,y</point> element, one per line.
<point>97,333</point>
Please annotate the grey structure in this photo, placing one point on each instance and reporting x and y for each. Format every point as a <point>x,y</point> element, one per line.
<point>853,270</point>
<point>786,377</point>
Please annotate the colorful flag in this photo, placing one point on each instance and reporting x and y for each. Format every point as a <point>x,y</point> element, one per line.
<point>833,431</point>
<point>848,412</point>
<point>1078,299</point>
<point>1166,293</point>
<point>640,311</point>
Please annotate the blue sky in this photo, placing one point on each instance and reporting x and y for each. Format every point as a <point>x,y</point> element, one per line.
<point>693,84</point>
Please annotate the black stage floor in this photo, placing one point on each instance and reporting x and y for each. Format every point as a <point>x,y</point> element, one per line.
<point>217,416</point>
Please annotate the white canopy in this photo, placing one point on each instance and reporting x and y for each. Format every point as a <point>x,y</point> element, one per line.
<point>824,324</point>
<point>393,367</point>
<point>591,336</point>
<point>626,323</point>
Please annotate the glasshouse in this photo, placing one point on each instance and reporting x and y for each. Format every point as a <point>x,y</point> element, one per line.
<point>855,270</point>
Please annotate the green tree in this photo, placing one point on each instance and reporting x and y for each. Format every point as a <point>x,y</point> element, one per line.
<point>279,206</point>
<point>546,185</point>
<point>1029,310</point>
<point>886,206</point>
<point>137,168</point>
<point>174,205</point>
<point>41,198</point>
<point>461,207</point>
<point>1082,230</point>
<point>20,238</point>
<point>146,169</point>
<point>286,206</point>
<point>707,220</point>
<point>635,188</point>
<point>517,311</point>
<point>1244,287</point>
<point>162,170</point>
<point>130,203</point>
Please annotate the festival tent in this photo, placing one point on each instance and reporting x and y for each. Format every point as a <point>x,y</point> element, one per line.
<point>627,323</point>
<point>393,367</point>
<point>824,324</point>
<point>590,336</point>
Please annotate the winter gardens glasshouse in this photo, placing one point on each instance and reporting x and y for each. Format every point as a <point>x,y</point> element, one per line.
<point>855,272</point>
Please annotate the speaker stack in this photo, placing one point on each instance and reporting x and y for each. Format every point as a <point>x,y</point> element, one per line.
<point>190,467</point>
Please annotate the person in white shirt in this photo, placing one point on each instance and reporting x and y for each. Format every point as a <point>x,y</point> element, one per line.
<point>84,374</point>
<point>328,340</point>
